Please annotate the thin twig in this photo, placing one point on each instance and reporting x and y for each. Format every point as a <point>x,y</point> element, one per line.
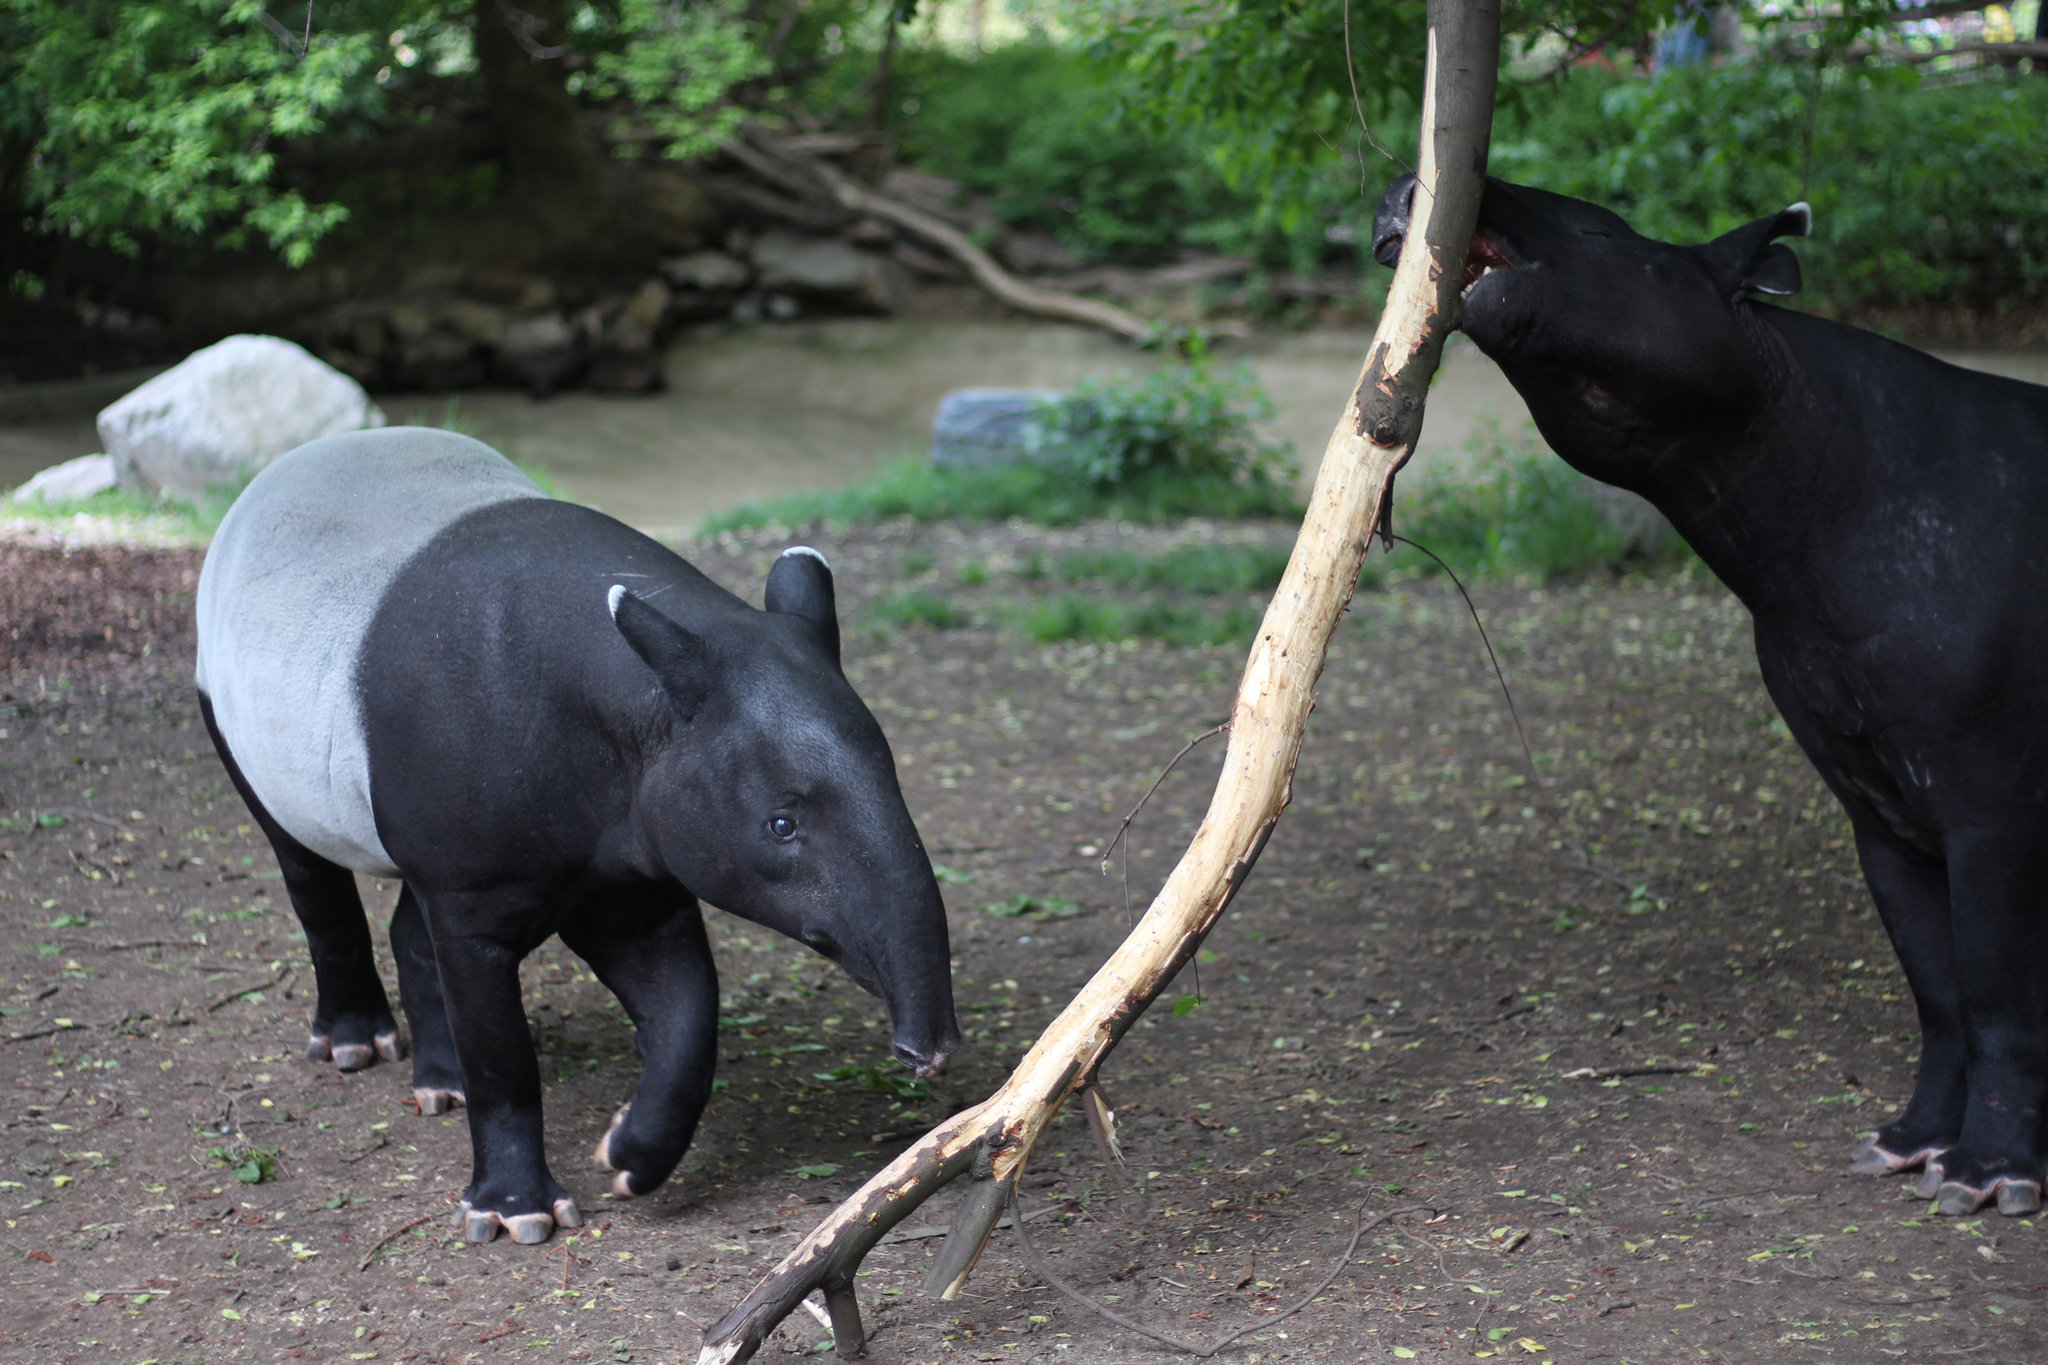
<point>1515,715</point>
<point>1361,1226</point>
<point>35,817</point>
<point>1358,107</point>
<point>1187,749</point>
<point>388,1238</point>
<point>48,1028</point>
<point>237,994</point>
<point>1605,1073</point>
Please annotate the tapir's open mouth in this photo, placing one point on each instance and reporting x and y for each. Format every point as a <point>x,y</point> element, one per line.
<point>1484,258</point>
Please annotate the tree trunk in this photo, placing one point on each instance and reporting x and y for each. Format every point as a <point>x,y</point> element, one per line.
<point>553,166</point>
<point>991,1141</point>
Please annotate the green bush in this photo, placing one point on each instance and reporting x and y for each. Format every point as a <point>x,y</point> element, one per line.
<point>1515,511</point>
<point>1185,420</point>
<point>1200,570</point>
<point>1922,194</point>
<point>1073,616</point>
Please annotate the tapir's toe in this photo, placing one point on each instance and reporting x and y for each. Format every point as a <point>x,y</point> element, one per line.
<point>2019,1197</point>
<point>1872,1157</point>
<point>387,1045</point>
<point>1955,1199</point>
<point>432,1100</point>
<point>527,1229</point>
<point>1930,1182</point>
<point>353,1056</point>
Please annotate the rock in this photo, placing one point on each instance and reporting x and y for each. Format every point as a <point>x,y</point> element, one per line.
<point>540,352</point>
<point>225,412</point>
<point>627,360</point>
<point>985,428</point>
<point>828,268</point>
<point>710,271</point>
<point>72,481</point>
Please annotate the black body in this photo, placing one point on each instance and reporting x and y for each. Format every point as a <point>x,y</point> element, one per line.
<point>1884,517</point>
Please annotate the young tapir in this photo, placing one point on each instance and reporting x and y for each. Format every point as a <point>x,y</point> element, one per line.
<point>1884,517</point>
<point>416,665</point>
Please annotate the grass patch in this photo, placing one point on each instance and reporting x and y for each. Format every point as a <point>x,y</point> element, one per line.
<point>166,517</point>
<point>920,608</point>
<point>1050,497</point>
<point>1073,616</point>
<point>1516,512</point>
<point>1202,570</point>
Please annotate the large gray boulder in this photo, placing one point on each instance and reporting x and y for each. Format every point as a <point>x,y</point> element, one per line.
<point>984,428</point>
<point>73,481</point>
<point>225,412</point>
<point>828,268</point>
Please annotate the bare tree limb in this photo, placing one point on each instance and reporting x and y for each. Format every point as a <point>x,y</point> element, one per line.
<point>990,1141</point>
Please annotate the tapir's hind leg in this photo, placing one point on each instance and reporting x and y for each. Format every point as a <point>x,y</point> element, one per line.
<point>436,1070</point>
<point>649,947</point>
<point>352,1023</point>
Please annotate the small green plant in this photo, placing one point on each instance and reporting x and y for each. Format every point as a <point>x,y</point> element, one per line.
<point>893,1084</point>
<point>1203,570</point>
<point>248,1163</point>
<point>1075,616</point>
<point>921,608</point>
<point>1184,419</point>
<point>1033,907</point>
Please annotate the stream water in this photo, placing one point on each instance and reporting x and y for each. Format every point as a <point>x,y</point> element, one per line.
<point>761,411</point>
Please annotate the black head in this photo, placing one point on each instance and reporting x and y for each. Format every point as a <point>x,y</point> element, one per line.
<point>772,794</point>
<point>1621,344</point>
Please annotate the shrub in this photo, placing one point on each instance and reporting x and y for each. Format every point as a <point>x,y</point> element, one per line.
<point>1184,419</point>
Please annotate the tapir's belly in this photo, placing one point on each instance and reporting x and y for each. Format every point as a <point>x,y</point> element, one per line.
<point>291,585</point>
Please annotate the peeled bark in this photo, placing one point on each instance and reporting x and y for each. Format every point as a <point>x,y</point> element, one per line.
<point>991,1141</point>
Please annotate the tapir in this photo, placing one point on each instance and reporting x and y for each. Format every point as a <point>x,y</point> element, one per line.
<point>1883,515</point>
<point>417,665</point>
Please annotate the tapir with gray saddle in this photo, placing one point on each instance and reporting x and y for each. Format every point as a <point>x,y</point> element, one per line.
<point>417,665</point>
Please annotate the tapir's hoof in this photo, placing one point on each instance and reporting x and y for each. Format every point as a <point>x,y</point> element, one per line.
<point>622,1184</point>
<point>1930,1182</point>
<point>432,1101</point>
<point>527,1229</point>
<point>351,1056</point>
<point>1954,1199</point>
<point>2019,1197</point>
<point>1871,1157</point>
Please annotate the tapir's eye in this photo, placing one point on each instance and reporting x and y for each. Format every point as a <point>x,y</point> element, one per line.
<point>782,827</point>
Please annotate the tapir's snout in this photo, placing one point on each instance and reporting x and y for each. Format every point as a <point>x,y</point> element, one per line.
<point>926,1061</point>
<point>1390,221</point>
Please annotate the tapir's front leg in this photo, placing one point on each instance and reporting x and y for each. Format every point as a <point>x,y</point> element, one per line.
<point>1911,891</point>
<point>648,946</point>
<point>479,952</point>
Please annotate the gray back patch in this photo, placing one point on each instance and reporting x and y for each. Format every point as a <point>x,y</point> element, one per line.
<point>292,581</point>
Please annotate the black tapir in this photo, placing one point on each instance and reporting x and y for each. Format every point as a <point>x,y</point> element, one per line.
<point>417,665</point>
<point>1884,517</point>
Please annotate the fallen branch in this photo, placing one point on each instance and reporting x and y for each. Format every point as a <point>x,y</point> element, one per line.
<point>796,175</point>
<point>990,1141</point>
<point>1608,1073</point>
<point>237,994</point>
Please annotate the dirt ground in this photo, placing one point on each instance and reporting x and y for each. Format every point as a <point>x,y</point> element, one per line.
<point>1624,1105</point>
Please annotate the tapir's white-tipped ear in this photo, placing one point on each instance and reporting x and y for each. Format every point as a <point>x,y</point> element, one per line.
<point>800,584</point>
<point>807,550</point>
<point>1796,221</point>
<point>677,654</point>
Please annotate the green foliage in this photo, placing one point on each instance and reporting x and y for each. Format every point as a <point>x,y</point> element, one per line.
<point>920,608</point>
<point>921,491</point>
<point>164,116</point>
<point>1076,616</point>
<point>676,63</point>
<point>1036,907</point>
<point>894,1084</point>
<point>248,1163</point>
<point>1184,420</point>
<point>1042,131</point>
<point>1201,570</point>
<point>1514,511</point>
<point>1921,193</point>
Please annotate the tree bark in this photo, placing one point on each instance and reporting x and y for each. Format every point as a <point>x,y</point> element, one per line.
<point>991,1141</point>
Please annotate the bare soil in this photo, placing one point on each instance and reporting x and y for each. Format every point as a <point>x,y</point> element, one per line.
<point>1623,1102</point>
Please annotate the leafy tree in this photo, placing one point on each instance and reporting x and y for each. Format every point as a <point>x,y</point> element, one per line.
<point>124,119</point>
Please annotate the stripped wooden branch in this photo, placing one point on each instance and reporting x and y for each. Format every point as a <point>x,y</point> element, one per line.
<point>990,1141</point>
